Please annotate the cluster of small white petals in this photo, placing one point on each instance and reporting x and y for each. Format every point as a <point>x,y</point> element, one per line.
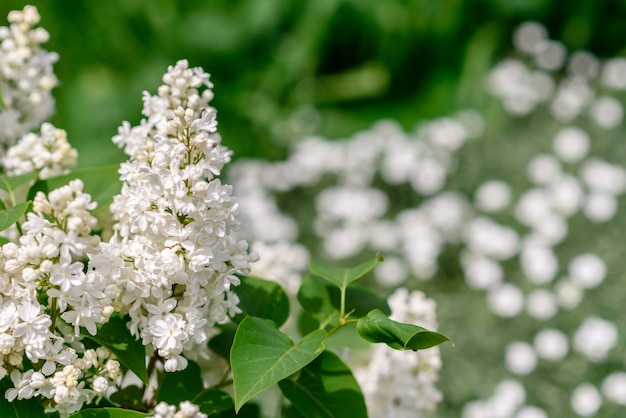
<point>185,410</point>
<point>50,261</point>
<point>26,76</point>
<point>397,383</point>
<point>173,254</point>
<point>49,154</point>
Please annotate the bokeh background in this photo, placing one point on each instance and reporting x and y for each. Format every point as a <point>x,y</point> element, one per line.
<point>287,70</point>
<point>354,61</point>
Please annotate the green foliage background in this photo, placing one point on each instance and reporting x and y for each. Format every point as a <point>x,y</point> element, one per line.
<point>356,61</point>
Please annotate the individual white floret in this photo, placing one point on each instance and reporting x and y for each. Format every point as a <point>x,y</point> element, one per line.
<point>595,337</point>
<point>607,112</point>
<point>541,304</point>
<point>571,144</point>
<point>586,400</point>
<point>551,344</point>
<point>614,388</point>
<point>506,300</point>
<point>493,196</point>
<point>521,358</point>
<point>587,270</point>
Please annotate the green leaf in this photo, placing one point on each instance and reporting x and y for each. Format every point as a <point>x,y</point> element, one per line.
<point>361,300</point>
<point>263,299</point>
<point>3,241</point>
<point>222,342</point>
<point>322,301</point>
<point>102,183</point>
<point>325,388</point>
<point>376,327</point>
<point>316,300</point>
<point>249,410</point>
<point>115,336</point>
<point>11,183</point>
<point>24,408</point>
<point>342,277</point>
<point>129,397</point>
<point>213,401</point>
<point>9,217</point>
<point>108,413</point>
<point>262,355</point>
<point>182,385</point>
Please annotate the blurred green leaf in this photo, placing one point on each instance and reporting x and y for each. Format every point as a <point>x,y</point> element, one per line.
<point>11,216</point>
<point>102,183</point>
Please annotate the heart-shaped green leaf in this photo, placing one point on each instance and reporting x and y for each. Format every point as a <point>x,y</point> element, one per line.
<point>342,277</point>
<point>376,327</point>
<point>325,388</point>
<point>261,356</point>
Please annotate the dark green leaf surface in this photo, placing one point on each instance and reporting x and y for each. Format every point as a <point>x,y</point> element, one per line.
<point>25,408</point>
<point>128,397</point>
<point>213,401</point>
<point>263,299</point>
<point>115,336</point>
<point>376,327</point>
<point>262,355</point>
<point>181,386</point>
<point>325,388</point>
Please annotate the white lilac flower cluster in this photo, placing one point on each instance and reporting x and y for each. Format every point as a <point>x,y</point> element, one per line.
<point>47,153</point>
<point>26,76</point>
<point>48,292</point>
<point>176,258</point>
<point>185,410</point>
<point>397,383</point>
